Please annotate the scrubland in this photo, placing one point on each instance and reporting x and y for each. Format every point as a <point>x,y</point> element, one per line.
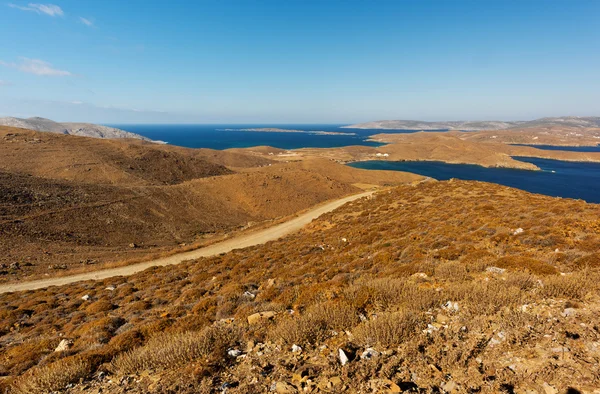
<point>432,287</point>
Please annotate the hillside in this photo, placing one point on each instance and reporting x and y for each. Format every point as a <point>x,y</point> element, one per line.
<point>434,287</point>
<point>565,121</point>
<point>80,203</point>
<point>80,129</point>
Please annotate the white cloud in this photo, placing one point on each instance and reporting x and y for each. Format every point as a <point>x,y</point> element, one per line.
<point>36,67</point>
<point>47,9</point>
<point>4,83</point>
<point>86,21</point>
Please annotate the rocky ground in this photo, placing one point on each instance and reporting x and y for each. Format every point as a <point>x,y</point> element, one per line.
<point>434,287</point>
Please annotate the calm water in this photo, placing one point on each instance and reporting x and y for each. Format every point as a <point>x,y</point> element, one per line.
<point>213,136</point>
<point>569,179</point>
<point>566,148</point>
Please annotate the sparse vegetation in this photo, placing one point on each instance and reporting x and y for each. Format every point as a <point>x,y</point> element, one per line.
<point>495,311</point>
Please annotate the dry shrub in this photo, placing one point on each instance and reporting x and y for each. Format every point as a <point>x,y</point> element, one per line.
<point>127,340</point>
<point>588,261</point>
<point>390,293</point>
<point>387,329</point>
<point>524,263</point>
<point>574,286</point>
<point>52,377</point>
<point>521,280</point>
<point>451,271</point>
<point>174,350</point>
<point>316,323</point>
<point>99,306</point>
<point>485,298</point>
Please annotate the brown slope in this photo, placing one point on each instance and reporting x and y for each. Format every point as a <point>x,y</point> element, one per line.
<point>377,273</point>
<point>121,162</point>
<point>61,223</point>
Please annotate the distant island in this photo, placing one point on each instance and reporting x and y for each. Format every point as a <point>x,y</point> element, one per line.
<point>569,121</point>
<point>276,130</point>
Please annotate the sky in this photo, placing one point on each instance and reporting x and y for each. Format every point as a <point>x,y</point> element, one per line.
<point>225,61</point>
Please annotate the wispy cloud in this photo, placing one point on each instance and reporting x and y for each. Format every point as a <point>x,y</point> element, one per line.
<point>36,67</point>
<point>5,83</point>
<point>86,21</point>
<point>47,9</point>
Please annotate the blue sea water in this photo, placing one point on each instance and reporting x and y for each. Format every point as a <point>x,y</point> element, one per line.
<point>565,148</point>
<point>557,178</point>
<point>215,136</point>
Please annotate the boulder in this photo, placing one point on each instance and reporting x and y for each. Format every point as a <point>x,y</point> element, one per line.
<point>257,317</point>
<point>64,345</point>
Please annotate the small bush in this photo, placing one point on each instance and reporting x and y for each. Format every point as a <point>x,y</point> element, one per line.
<point>99,306</point>
<point>52,377</point>
<point>387,329</point>
<point>573,286</point>
<point>173,350</point>
<point>316,324</point>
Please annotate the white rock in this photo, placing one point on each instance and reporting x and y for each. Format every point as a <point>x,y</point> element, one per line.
<point>518,231</point>
<point>247,294</point>
<point>569,312</point>
<point>549,389</point>
<point>343,358</point>
<point>344,240</point>
<point>369,354</point>
<point>296,348</point>
<point>110,288</point>
<point>451,306</point>
<point>64,344</point>
<point>495,270</point>
<point>86,297</point>
<point>234,352</point>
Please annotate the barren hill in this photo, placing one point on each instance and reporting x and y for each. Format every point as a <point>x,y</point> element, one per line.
<point>80,129</point>
<point>73,203</point>
<point>455,286</point>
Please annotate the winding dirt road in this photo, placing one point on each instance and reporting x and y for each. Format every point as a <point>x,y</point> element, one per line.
<point>242,241</point>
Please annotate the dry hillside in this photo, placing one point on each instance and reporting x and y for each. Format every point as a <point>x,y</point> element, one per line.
<point>74,203</point>
<point>458,287</point>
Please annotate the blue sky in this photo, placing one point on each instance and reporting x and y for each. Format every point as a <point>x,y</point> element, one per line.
<point>298,61</point>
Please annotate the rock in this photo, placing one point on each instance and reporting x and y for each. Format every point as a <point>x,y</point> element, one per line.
<point>495,270</point>
<point>369,354</point>
<point>283,388</point>
<point>451,306</point>
<point>86,297</point>
<point>234,353</point>
<point>132,245</point>
<point>110,288</point>
<point>247,294</point>
<point>421,275</point>
<point>257,317</point>
<point>296,348</point>
<point>64,345</point>
<point>549,389</point>
<point>569,312</point>
<point>449,387</point>
<point>343,358</point>
<point>518,231</point>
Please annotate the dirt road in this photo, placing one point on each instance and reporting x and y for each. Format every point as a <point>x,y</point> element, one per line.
<point>243,241</point>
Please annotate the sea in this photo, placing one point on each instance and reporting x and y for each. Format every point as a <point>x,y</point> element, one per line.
<point>579,180</point>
